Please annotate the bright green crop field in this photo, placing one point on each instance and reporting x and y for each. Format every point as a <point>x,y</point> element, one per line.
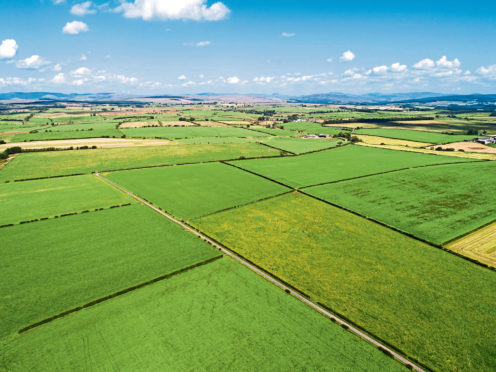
<point>214,316</point>
<point>416,135</point>
<point>434,306</point>
<point>313,128</point>
<point>215,140</point>
<point>25,201</point>
<point>190,132</point>
<point>57,135</point>
<point>193,190</point>
<point>51,266</point>
<point>56,163</point>
<point>339,164</point>
<point>434,203</point>
<point>300,145</point>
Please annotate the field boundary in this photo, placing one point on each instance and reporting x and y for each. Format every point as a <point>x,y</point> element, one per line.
<point>65,215</point>
<point>391,171</point>
<point>363,335</point>
<point>424,131</point>
<point>119,293</point>
<point>277,148</point>
<point>461,236</point>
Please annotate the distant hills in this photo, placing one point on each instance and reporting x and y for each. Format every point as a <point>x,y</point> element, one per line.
<point>426,98</point>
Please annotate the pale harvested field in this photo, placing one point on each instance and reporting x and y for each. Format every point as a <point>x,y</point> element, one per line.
<point>139,124</point>
<point>99,142</point>
<point>177,123</point>
<point>375,140</point>
<point>207,123</point>
<point>236,122</point>
<point>480,245</point>
<point>469,147</point>
<point>353,125</point>
<point>460,154</point>
<point>15,132</point>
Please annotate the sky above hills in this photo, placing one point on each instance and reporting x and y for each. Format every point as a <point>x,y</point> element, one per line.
<point>233,46</point>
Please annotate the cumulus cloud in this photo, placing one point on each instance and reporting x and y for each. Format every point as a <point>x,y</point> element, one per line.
<point>81,71</point>
<point>203,43</point>
<point>444,62</point>
<point>75,27</point>
<point>288,34</point>
<point>59,78</point>
<point>197,10</point>
<point>380,69</point>
<point>8,48</point>
<point>398,67</point>
<point>424,64</point>
<point>83,57</point>
<point>487,71</point>
<point>83,9</point>
<point>263,79</point>
<point>329,60</point>
<point>233,80</point>
<point>34,62</point>
<point>57,67</point>
<point>347,56</point>
<point>181,77</point>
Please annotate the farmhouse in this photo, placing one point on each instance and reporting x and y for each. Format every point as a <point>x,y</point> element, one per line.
<point>486,140</point>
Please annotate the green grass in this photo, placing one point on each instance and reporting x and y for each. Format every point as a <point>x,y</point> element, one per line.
<point>312,128</point>
<point>216,317</point>
<point>301,145</point>
<point>416,135</point>
<point>60,134</point>
<point>56,163</point>
<point>274,132</point>
<point>215,140</point>
<point>193,190</point>
<point>51,266</point>
<point>338,164</point>
<point>25,201</point>
<point>190,132</point>
<point>434,306</point>
<point>434,203</point>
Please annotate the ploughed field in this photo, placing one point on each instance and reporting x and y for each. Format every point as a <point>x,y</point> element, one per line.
<point>398,244</point>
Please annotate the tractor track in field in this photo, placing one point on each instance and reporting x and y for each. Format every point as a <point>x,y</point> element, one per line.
<point>388,350</point>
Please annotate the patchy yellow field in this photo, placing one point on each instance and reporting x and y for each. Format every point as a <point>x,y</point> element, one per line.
<point>99,142</point>
<point>236,122</point>
<point>468,147</point>
<point>208,123</point>
<point>480,245</point>
<point>353,125</point>
<point>460,154</point>
<point>375,140</point>
<point>139,124</point>
<point>177,123</point>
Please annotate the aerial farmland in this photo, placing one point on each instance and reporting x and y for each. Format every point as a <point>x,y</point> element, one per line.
<point>237,241</point>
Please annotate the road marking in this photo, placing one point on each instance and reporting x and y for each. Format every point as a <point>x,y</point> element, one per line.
<point>271,279</point>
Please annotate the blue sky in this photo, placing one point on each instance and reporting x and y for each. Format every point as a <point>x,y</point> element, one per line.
<point>285,47</point>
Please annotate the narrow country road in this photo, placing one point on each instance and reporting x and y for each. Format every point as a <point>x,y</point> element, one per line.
<point>271,279</point>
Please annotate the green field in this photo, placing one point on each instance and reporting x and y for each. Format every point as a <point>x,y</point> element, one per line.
<point>194,190</point>
<point>434,306</point>
<point>51,266</point>
<point>190,132</point>
<point>56,163</point>
<point>339,164</point>
<point>300,145</point>
<point>312,128</point>
<point>25,201</point>
<point>215,140</point>
<point>434,203</point>
<point>416,135</point>
<point>57,135</point>
<point>216,316</point>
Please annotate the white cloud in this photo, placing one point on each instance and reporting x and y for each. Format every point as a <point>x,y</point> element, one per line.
<point>181,77</point>
<point>329,60</point>
<point>203,43</point>
<point>444,62</point>
<point>59,78</point>
<point>398,67</point>
<point>81,71</point>
<point>58,2</point>
<point>233,80</point>
<point>488,72</point>
<point>288,34</point>
<point>424,64</point>
<point>125,79</point>
<point>8,48</point>
<point>347,56</point>
<point>83,57</point>
<point>83,9</point>
<point>57,67</point>
<point>75,27</point>
<point>197,10</point>
<point>380,69</point>
<point>263,79</point>
<point>33,62</point>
